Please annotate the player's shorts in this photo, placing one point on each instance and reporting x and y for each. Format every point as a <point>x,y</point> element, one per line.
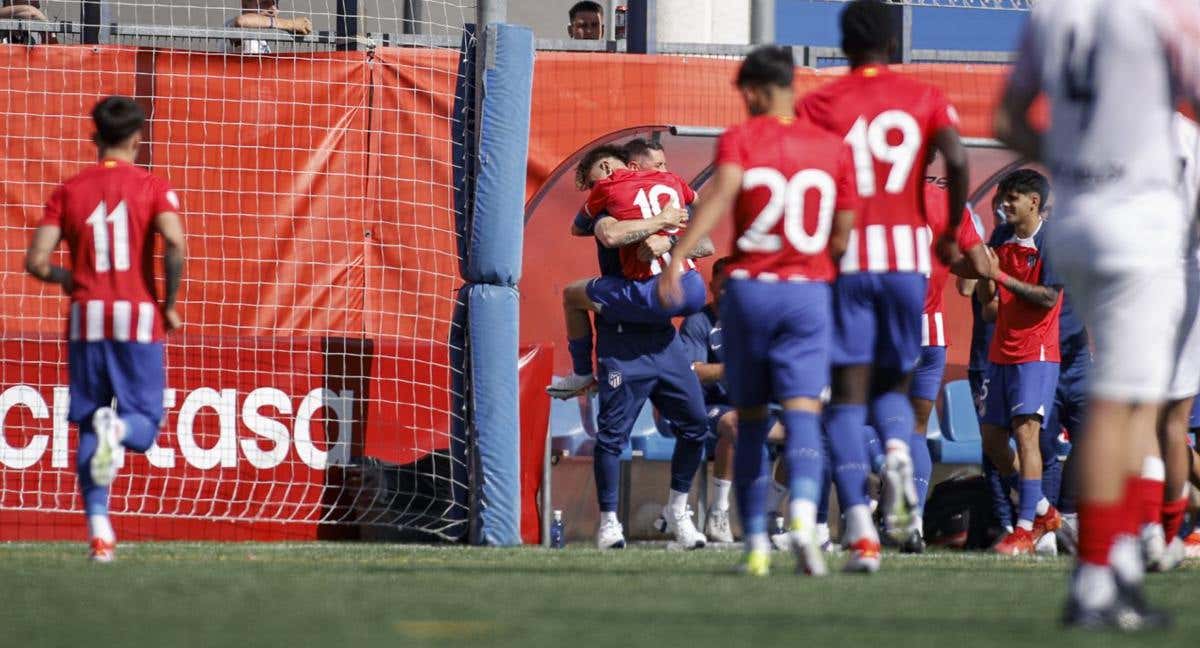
<point>877,319</point>
<point>131,372</point>
<point>927,377</point>
<point>776,338</point>
<point>1123,264</point>
<point>1025,389</point>
<point>622,300</point>
<point>636,367</point>
<point>1185,381</point>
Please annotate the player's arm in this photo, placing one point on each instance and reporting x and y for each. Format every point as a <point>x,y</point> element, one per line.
<point>1044,296</point>
<point>613,233</point>
<point>988,296</point>
<point>718,199</point>
<point>709,372</point>
<point>37,257</point>
<point>583,225</point>
<point>694,335</point>
<point>966,287</point>
<point>170,227</point>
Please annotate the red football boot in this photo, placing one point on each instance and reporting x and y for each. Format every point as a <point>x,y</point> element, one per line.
<point>1019,542</point>
<point>1048,523</point>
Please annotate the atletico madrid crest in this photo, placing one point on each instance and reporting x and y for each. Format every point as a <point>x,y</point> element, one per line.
<point>614,379</point>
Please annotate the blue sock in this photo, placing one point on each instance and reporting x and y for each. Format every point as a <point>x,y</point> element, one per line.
<point>804,455</point>
<point>1051,467</point>
<point>751,477</point>
<point>685,461</point>
<point>607,467</point>
<point>922,467</point>
<point>1031,494</point>
<point>140,432</point>
<point>874,448</point>
<point>581,355</point>
<point>844,427</point>
<point>1001,504</point>
<point>95,498</point>
<point>826,481</point>
<point>892,416</point>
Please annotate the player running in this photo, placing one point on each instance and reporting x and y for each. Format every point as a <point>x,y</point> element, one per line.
<point>1113,71</point>
<point>931,368</point>
<point>1026,295</point>
<point>640,355</point>
<point>791,187</point>
<point>108,216</point>
<point>891,122</point>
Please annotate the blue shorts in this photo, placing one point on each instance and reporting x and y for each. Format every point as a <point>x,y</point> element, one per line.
<point>634,367</point>
<point>776,338</point>
<point>927,377</point>
<point>623,300</point>
<point>1025,389</point>
<point>130,372</point>
<point>877,319</point>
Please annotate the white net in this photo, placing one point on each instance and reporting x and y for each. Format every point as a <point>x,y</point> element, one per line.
<point>309,393</point>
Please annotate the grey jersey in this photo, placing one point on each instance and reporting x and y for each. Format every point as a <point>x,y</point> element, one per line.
<point>1112,73</point>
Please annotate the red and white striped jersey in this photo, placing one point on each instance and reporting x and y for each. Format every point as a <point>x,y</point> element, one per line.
<point>633,195</point>
<point>888,119</point>
<point>933,326</point>
<point>107,214</point>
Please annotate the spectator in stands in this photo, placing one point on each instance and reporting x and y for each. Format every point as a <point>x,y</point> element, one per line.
<point>587,21</point>
<point>263,14</point>
<point>24,10</point>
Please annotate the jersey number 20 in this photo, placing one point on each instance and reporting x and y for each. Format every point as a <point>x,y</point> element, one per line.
<point>787,202</point>
<point>116,254</point>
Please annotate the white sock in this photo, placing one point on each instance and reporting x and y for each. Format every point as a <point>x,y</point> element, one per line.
<point>1093,586</point>
<point>781,494</point>
<point>803,515</point>
<point>1125,557</point>
<point>917,524</point>
<point>609,517</point>
<point>99,526</point>
<point>1154,468</point>
<point>721,501</point>
<point>758,542</point>
<point>677,502</point>
<point>1043,506</point>
<point>859,524</point>
<point>896,445</point>
<point>1025,524</point>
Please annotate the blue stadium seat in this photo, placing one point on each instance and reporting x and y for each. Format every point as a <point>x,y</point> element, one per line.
<point>568,432</point>
<point>960,441</point>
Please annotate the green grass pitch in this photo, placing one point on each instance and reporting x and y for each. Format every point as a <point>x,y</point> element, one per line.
<point>359,595</point>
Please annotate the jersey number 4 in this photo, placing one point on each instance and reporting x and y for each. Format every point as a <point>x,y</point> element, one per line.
<point>111,252</point>
<point>787,203</point>
<point>870,143</point>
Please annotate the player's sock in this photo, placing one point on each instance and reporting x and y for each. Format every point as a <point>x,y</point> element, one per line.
<point>779,496</point>
<point>677,501</point>
<point>685,461</point>
<point>609,517</point>
<point>1043,506</point>
<point>99,526</point>
<point>1099,525</point>
<point>1093,586</point>
<point>721,500</point>
<point>1031,494</point>
<point>1125,555</point>
<point>140,432</point>
<point>804,463</point>
<point>607,468</point>
<point>892,416</point>
<point>751,476</point>
<point>95,498</point>
<point>1173,514</point>
<point>803,515</point>
<point>1149,491</point>
<point>874,448</point>
<point>859,524</point>
<point>580,350</point>
<point>826,483</point>
<point>922,468</point>
<point>844,427</point>
<point>1001,505</point>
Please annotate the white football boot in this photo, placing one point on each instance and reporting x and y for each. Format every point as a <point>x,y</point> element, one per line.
<point>611,535</point>
<point>567,387</point>
<point>716,526</point>
<point>683,528</point>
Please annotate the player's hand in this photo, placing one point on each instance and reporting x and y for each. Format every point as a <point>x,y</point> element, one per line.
<point>947,250</point>
<point>670,288</point>
<point>171,319</point>
<point>653,247</point>
<point>673,216</point>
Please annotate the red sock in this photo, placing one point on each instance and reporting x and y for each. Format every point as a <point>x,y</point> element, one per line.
<point>1099,526</point>
<point>1172,519</point>
<point>1145,499</point>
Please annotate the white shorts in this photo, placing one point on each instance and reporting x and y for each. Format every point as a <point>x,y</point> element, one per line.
<point>1185,382</point>
<point>1132,303</point>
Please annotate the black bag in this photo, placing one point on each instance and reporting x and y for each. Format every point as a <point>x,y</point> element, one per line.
<point>958,514</point>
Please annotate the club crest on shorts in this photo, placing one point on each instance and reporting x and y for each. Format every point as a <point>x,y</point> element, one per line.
<point>614,379</point>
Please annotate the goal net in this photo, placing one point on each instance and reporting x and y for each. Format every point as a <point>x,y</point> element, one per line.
<point>310,391</point>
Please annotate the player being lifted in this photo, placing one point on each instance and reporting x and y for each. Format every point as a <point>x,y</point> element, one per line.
<point>578,306</point>
<point>791,186</point>
<point>108,215</point>
<point>890,122</point>
<point>1024,355</point>
<point>1113,71</point>
<point>640,354</point>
